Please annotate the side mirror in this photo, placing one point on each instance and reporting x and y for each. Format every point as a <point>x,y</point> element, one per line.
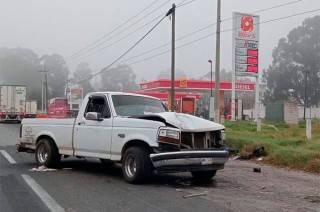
<point>94,116</point>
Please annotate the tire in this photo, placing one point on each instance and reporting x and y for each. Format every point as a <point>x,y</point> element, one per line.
<point>136,165</point>
<point>204,176</point>
<point>47,154</point>
<point>107,162</point>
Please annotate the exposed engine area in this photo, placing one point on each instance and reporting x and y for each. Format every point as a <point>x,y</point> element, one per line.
<point>201,140</point>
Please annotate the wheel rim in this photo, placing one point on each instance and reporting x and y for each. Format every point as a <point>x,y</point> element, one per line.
<point>43,153</point>
<point>130,165</point>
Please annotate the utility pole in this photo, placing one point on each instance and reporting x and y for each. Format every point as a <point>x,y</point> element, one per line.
<point>319,90</point>
<point>67,87</point>
<point>217,71</point>
<point>44,91</point>
<point>47,99</point>
<point>172,99</point>
<point>211,81</point>
<point>305,95</point>
<point>211,102</point>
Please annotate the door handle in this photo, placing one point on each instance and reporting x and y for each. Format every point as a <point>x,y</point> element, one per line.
<point>81,123</point>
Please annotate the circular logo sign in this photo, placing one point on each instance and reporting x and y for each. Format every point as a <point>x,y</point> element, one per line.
<point>247,23</point>
<point>183,83</point>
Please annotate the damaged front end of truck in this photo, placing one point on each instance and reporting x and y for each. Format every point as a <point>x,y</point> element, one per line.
<point>188,144</point>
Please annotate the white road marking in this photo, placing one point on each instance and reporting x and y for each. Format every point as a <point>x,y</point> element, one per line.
<point>44,196</point>
<point>8,157</point>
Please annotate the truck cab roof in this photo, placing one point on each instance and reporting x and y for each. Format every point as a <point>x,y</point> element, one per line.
<point>120,93</point>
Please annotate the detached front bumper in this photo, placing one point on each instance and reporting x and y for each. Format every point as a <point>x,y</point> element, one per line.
<point>193,160</point>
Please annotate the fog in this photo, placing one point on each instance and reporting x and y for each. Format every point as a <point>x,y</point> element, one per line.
<point>65,27</point>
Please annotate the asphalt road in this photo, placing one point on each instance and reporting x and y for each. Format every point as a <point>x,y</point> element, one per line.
<point>87,185</point>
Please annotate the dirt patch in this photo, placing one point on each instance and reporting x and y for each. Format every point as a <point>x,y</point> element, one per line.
<point>273,189</point>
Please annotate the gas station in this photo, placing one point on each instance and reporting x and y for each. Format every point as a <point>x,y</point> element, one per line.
<point>189,92</point>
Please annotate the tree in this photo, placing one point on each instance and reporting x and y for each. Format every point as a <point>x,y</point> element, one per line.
<point>83,72</point>
<point>57,75</point>
<point>167,74</point>
<point>120,78</point>
<point>20,67</point>
<point>295,58</point>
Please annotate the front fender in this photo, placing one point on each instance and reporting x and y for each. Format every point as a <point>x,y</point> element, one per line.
<point>121,137</point>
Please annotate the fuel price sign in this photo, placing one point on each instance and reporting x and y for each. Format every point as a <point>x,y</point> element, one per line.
<point>246,44</point>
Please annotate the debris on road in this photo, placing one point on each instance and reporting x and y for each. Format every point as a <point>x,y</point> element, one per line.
<point>259,152</point>
<point>313,199</point>
<point>260,159</point>
<point>256,169</point>
<point>250,153</point>
<point>42,169</point>
<point>66,169</point>
<point>195,195</point>
<point>236,157</point>
<point>263,187</point>
<point>183,183</point>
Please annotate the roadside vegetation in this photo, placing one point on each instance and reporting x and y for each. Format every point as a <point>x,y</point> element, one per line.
<point>285,145</point>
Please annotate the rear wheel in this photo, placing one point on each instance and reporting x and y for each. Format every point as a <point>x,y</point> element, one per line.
<point>47,154</point>
<point>204,175</point>
<point>136,165</point>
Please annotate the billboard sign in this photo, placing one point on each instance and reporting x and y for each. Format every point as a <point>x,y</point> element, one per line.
<point>76,95</point>
<point>245,44</point>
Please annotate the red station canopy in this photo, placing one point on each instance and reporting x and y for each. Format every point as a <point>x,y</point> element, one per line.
<point>194,85</point>
<point>164,95</point>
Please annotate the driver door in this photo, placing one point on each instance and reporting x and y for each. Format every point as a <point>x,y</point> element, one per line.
<point>92,138</point>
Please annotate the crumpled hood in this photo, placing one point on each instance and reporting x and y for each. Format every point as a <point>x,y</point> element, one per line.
<point>185,122</point>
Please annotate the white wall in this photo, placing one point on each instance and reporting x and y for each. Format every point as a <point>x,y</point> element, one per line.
<point>314,112</point>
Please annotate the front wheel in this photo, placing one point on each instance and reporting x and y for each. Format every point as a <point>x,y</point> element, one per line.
<point>136,165</point>
<point>47,154</point>
<point>204,175</point>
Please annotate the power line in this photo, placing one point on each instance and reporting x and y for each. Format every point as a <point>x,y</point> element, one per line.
<point>102,70</point>
<point>99,50</point>
<point>206,27</point>
<point>268,21</point>
<point>183,4</point>
<point>113,30</point>
<point>128,27</point>
<point>194,41</point>
<point>269,8</point>
<point>76,59</point>
<point>166,44</point>
<point>103,48</point>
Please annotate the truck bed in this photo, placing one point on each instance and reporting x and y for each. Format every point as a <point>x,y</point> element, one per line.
<point>61,130</point>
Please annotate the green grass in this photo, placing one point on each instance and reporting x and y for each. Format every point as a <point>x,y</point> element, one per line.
<point>287,147</point>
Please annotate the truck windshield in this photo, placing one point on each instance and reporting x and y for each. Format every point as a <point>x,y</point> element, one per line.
<point>126,105</point>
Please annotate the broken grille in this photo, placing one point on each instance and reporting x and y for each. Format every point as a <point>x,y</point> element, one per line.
<point>200,140</point>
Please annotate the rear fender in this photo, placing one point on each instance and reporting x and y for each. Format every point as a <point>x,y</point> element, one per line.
<point>44,134</point>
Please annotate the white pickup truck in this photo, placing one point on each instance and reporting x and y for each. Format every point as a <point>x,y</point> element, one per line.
<point>135,130</point>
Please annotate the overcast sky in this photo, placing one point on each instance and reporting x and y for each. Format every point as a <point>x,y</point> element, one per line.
<point>67,26</point>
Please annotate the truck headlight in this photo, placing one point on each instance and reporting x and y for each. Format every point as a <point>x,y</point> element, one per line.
<point>169,136</point>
